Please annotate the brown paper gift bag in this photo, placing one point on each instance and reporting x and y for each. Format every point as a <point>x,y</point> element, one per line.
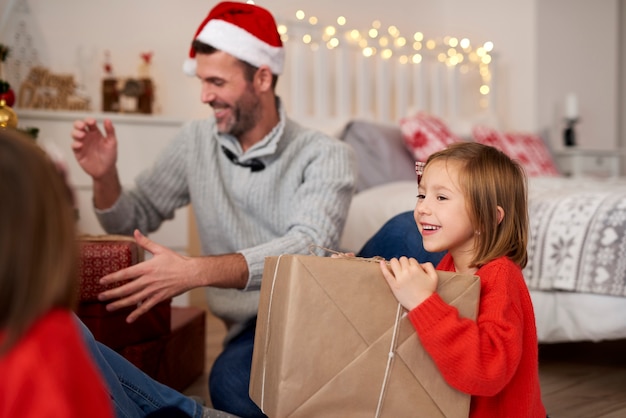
<point>324,333</point>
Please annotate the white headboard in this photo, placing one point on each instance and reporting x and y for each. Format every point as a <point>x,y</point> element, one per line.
<point>325,85</point>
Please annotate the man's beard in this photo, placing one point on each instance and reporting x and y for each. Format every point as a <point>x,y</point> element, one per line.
<point>245,114</point>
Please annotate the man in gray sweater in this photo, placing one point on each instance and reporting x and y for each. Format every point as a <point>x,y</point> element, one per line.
<point>259,184</point>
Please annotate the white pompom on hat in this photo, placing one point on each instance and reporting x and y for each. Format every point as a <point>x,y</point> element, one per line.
<point>246,31</point>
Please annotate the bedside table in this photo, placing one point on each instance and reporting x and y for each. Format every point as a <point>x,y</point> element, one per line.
<point>587,162</point>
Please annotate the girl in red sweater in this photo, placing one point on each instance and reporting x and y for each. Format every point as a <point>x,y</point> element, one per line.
<point>472,201</point>
<point>44,366</point>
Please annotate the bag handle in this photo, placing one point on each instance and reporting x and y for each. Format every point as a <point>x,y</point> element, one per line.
<point>339,254</point>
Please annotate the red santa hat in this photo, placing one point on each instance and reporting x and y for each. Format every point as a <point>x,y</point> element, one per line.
<point>246,31</point>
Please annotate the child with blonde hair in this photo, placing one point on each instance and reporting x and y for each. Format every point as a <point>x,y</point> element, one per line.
<point>472,202</point>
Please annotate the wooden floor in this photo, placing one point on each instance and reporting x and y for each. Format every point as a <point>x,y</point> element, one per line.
<point>584,380</point>
<point>581,380</point>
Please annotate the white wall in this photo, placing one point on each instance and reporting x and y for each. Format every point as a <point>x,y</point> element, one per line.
<point>534,71</point>
<point>511,25</point>
<point>579,55</point>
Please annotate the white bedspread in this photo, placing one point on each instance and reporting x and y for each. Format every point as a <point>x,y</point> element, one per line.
<point>578,235</point>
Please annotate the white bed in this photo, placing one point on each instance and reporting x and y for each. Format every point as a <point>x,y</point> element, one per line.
<point>361,101</point>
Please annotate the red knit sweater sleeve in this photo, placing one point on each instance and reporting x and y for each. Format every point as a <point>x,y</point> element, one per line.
<point>487,350</point>
<point>49,373</point>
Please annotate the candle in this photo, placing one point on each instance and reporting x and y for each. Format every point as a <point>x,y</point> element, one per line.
<point>571,106</point>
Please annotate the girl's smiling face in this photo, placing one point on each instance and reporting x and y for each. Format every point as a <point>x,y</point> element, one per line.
<point>441,213</point>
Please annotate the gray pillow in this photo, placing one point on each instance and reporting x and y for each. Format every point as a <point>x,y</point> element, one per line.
<point>382,156</point>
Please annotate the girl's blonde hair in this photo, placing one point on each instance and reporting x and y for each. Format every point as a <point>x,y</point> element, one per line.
<point>38,247</point>
<point>489,178</point>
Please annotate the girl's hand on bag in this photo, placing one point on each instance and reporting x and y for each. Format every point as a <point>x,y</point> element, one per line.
<point>411,282</point>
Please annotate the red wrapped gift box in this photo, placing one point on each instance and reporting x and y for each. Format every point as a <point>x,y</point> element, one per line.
<point>176,359</point>
<point>111,328</point>
<point>101,255</point>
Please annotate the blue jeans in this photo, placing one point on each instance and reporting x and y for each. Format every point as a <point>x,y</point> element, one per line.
<point>229,380</point>
<point>133,393</point>
<point>398,237</point>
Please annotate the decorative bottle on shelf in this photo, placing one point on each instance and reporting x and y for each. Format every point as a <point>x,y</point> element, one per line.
<point>110,95</point>
<point>146,98</point>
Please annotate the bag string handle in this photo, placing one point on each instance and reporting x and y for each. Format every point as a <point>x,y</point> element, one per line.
<point>312,247</point>
<point>267,333</point>
<point>390,356</point>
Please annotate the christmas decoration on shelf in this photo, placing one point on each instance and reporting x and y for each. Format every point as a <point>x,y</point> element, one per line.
<point>110,98</point>
<point>144,66</point>
<point>145,96</point>
<point>8,117</point>
<point>108,66</point>
<point>4,52</point>
<point>128,95</point>
<point>43,89</point>
<point>6,92</point>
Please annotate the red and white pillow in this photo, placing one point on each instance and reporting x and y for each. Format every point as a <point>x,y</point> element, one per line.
<point>526,148</point>
<point>425,134</point>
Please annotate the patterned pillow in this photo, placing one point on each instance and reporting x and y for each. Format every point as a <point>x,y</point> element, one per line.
<point>526,148</point>
<point>425,134</point>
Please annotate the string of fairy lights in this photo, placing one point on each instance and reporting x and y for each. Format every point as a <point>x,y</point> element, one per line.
<point>389,43</point>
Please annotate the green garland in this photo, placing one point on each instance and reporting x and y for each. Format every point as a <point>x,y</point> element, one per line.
<point>4,52</point>
<point>30,131</point>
